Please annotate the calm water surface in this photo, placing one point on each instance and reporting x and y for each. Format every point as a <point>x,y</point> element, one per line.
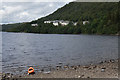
<point>21,50</point>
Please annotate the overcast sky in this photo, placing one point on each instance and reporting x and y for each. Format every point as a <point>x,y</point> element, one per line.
<point>14,12</point>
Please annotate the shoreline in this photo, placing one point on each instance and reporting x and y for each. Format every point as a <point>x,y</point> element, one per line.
<point>68,34</point>
<point>106,69</point>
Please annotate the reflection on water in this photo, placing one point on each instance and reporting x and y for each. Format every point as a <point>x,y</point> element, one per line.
<point>21,50</point>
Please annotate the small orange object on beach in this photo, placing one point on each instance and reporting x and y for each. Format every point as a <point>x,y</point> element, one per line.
<point>31,70</point>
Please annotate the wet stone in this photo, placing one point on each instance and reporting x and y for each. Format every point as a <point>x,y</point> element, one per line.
<point>103,69</point>
<point>46,72</point>
<point>60,63</point>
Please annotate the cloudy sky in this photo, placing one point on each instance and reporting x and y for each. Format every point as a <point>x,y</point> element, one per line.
<point>14,12</point>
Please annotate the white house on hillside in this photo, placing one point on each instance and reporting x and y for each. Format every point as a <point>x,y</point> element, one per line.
<point>55,23</point>
<point>34,24</point>
<point>85,22</point>
<point>75,23</point>
<point>47,21</point>
<point>64,23</point>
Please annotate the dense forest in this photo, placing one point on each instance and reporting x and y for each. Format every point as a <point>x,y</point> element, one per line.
<point>103,17</point>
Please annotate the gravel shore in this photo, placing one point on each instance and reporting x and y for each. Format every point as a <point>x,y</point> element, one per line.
<point>106,69</point>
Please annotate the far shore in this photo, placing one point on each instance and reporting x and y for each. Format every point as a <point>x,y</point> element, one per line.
<point>106,69</point>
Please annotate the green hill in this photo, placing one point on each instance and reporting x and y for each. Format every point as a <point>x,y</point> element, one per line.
<point>103,17</point>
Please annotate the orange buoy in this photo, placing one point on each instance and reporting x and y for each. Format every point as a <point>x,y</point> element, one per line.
<point>31,70</point>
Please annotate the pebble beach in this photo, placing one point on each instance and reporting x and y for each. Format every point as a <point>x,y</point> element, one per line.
<point>106,69</point>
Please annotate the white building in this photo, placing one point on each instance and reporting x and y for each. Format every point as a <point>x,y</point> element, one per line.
<point>55,23</point>
<point>85,22</point>
<point>34,24</point>
<point>64,23</point>
<point>60,21</point>
<point>75,23</point>
<point>47,21</point>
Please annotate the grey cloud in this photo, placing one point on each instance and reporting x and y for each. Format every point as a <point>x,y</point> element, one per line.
<point>14,12</point>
